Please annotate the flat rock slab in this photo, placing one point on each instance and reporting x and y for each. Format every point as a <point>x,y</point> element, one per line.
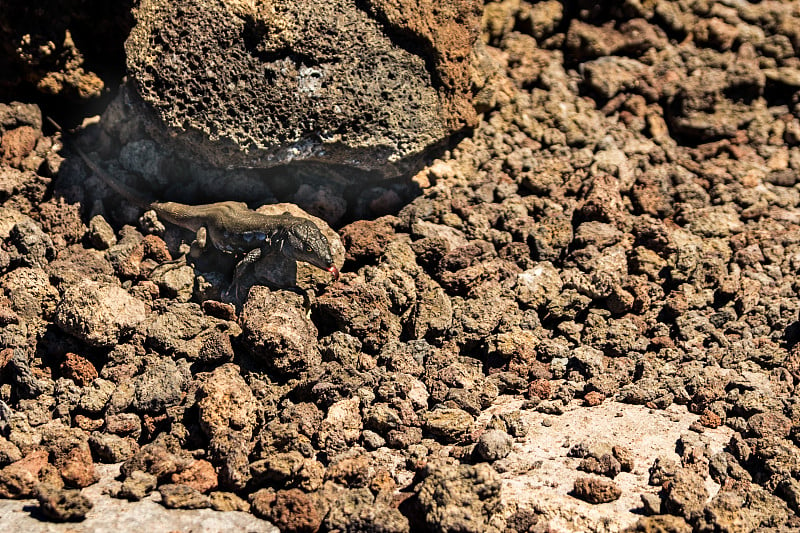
<point>539,475</point>
<point>367,85</point>
<point>110,515</point>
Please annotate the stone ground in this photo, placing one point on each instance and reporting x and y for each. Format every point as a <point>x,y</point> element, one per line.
<point>586,321</point>
<point>112,514</point>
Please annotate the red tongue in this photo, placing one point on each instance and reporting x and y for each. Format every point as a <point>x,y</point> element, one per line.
<point>335,271</point>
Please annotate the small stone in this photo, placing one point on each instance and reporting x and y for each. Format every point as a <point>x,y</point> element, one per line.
<point>457,498</point>
<point>550,407</point>
<point>372,440</point>
<point>604,465</point>
<point>101,234</point>
<point>63,505</point>
<point>9,452</point>
<point>769,424</point>
<point>87,424</point>
<point>625,457</point>
<point>593,398</point>
<point>651,503</point>
<point>227,501</point>
<point>124,424</point>
<point>161,385</point>
<point>110,448</point>
<point>98,314</point>
<point>450,424</point>
<point>183,497</point>
<point>594,489</point>
<point>227,413</point>
<point>278,331</point>
<point>541,388</point>
<point>70,454</point>
<point>137,486</point>
<point>685,494</point>
<point>155,459</point>
<point>200,475</point>
<point>34,245</point>
<point>96,396</point>
<point>78,368</point>
<point>493,444</point>
<point>175,282</point>
<point>289,510</point>
<point>19,479</point>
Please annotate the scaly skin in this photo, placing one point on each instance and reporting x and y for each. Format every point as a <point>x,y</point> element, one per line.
<point>236,229</point>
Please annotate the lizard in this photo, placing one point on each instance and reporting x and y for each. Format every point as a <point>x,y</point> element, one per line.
<point>234,228</point>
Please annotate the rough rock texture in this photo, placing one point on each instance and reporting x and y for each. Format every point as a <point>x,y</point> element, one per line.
<point>458,498</point>
<point>595,490</point>
<point>279,332</point>
<point>62,505</point>
<point>227,415</point>
<point>598,284</point>
<point>97,314</point>
<point>262,84</point>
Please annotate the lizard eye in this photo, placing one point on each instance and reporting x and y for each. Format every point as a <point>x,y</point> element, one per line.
<point>308,249</point>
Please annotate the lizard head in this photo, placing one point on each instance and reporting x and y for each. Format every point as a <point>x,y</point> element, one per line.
<point>305,242</point>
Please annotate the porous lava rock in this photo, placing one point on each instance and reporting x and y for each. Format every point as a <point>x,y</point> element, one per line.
<point>370,86</point>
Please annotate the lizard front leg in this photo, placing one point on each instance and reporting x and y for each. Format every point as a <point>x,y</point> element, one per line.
<point>251,257</point>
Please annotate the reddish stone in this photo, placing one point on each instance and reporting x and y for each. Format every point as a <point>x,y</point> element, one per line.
<point>78,369</point>
<point>540,388</point>
<point>5,356</point>
<point>16,144</point>
<point>130,266</point>
<point>19,479</point>
<point>595,489</point>
<point>156,249</point>
<point>219,310</point>
<point>88,424</point>
<point>200,475</point>
<point>292,510</point>
<point>366,239</point>
<point>76,467</point>
<point>602,201</point>
<point>594,398</point>
<point>710,419</point>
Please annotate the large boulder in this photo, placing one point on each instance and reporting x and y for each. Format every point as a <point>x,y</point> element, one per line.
<point>371,86</point>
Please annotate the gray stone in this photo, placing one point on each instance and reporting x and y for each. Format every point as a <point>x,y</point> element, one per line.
<point>493,444</point>
<point>96,395</point>
<point>160,385</point>
<point>98,314</point>
<point>278,331</point>
<point>175,281</point>
<point>101,234</point>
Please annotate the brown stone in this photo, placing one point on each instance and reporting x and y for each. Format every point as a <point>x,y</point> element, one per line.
<point>78,369</point>
<point>200,475</point>
<point>19,479</point>
<point>595,489</point>
<point>292,510</point>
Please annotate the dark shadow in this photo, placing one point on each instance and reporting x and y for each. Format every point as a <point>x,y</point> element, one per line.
<point>97,30</point>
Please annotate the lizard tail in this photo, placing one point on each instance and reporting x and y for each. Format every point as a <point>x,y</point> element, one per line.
<point>119,188</point>
<point>122,190</point>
